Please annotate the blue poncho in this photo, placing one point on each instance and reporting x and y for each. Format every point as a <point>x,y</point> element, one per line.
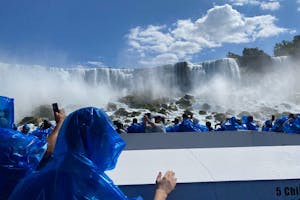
<point>19,156</point>
<point>6,112</point>
<point>86,147</point>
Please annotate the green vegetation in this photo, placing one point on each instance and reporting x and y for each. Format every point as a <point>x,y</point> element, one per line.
<point>254,52</point>
<point>256,60</point>
<point>284,48</point>
<point>233,55</point>
<point>288,48</point>
<point>248,52</point>
<point>253,59</point>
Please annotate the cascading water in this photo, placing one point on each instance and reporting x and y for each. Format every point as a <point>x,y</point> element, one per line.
<point>218,83</point>
<point>263,93</point>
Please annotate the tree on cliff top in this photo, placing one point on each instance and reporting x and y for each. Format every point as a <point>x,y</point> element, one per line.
<point>254,52</point>
<point>288,48</point>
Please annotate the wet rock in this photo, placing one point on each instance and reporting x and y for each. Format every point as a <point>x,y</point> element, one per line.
<point>287,106</point>
<point>189,97</point>
<point>206,107</point>
<point>128,100</point>
<point>257,115</point>
<point>31,120</point>
<point>208,117</point>
<point>162,111</point>
<point>285,114</point>
<point>230,112</point>
<point>150,107</point>
<point>134,114</point>
<point>188,112</point>
<point>243,113</point>
<point>164,106</point>
<point>127,121</point>
<point>172,107</point>
<point>143,102</point>
<point>269,110</point>
<point>220,117</point>
<point>122,112</point>
<point>186,101</point>
<point>43,111</point>
<point>202,112</point>
<point>111,107</point>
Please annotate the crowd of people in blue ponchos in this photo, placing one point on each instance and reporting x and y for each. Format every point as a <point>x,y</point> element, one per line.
<point>187,123</point>
<point>67,160</point>
<point>25,149</point>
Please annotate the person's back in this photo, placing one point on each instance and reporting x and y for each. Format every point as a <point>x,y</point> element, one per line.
<point>20,155</point>
<point>135,127</point>
<point>6,112</point>
<point>154,127</point>
<point>251,124</point>
<point>232,124</point>
<point>86,147</point>
<point>208,125</point>
<point>292,125</point>
<point>267,126</point>
<point>278,124</point>
<point>70,179</point>
<point>159,126</point>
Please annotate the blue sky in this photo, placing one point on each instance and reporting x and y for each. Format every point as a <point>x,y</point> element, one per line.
<point>137,33</point>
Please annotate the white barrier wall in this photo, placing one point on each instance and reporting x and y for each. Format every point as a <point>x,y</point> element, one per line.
<point>233,166</point>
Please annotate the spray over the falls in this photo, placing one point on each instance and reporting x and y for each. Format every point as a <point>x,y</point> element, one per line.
<point>219,83</point>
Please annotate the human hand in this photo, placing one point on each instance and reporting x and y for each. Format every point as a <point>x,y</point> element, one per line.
<point>166,183</point>
<point>146,118</point>
<point>60,116</point>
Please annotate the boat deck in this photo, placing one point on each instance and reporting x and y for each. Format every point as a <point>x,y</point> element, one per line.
<point>217,165</point>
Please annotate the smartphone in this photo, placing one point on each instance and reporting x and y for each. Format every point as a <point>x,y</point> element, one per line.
<point>55,109</point>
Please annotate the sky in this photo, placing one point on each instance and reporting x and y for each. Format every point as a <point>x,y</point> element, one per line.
<point>140,33</point>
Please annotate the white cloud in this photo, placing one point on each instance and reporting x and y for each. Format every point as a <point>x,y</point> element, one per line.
<point>298,1</point>
<point>273,5</point>
<point>264,5</point>
<point>156,45</point>
<point>152,38</point>
<point>244,2</point>
<point>96,63</point>
<point>164,58</point>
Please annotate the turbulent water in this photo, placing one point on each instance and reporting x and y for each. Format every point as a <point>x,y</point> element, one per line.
<point>220,83</point>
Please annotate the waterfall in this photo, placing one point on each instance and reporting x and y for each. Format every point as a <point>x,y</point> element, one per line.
<point>167,80</point>
<point>226,67</point>
<point>32,85</point>
<point>181,77</point>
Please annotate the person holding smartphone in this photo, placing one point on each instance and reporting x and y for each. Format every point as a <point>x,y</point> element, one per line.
<point>59,117</point>
<point>87,146</point>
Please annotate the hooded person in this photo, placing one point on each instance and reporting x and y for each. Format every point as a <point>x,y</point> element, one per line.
<point>19,156</point>
<point>86,147</point>
<point>6,112</point>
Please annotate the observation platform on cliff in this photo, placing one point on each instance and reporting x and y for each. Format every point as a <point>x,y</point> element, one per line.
<point>214,165</point>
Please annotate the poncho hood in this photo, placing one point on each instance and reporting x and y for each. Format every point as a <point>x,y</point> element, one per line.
<point>89,134</point>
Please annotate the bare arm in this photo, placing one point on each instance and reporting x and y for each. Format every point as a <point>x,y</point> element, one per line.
<point>165,185</point>
<point>147,120</point>
<point>60,116</point>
